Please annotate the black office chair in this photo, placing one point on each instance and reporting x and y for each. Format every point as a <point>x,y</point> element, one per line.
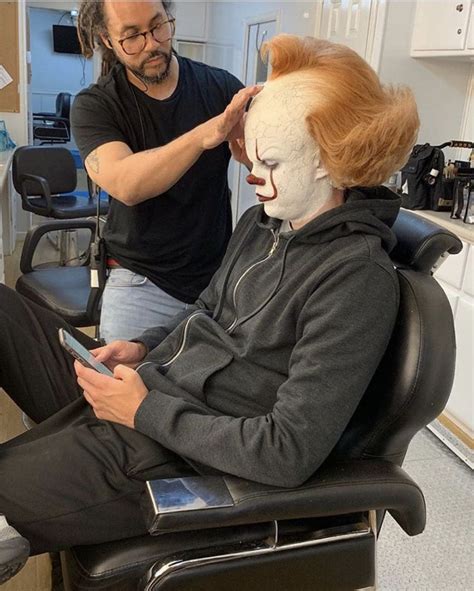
<point>54,128</point>
<point>64,289</point>
<point>321,535</point>
<point>46,180</point>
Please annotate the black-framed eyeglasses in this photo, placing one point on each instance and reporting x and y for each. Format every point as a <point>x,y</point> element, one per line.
<point>161,33</point>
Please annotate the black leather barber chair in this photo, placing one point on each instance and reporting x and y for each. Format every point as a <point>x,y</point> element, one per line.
<point>54,128</point>
<point>64,289</point>
<point>46,180</point>
<point>321,535</point>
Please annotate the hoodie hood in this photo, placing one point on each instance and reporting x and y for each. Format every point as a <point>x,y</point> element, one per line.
<point>367,210</point>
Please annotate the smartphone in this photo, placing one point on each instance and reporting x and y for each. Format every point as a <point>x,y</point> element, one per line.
<point>74,347</point>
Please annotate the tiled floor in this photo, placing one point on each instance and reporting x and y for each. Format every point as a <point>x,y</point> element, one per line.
<point>440,559</point>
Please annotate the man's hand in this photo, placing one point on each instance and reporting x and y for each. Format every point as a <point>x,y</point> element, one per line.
<point>228,125</point>
<point>239,153</point>
<point>112,399</point>
<point>120,352</point>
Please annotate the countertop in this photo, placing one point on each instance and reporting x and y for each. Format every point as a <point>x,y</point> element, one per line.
<point>463,231</point>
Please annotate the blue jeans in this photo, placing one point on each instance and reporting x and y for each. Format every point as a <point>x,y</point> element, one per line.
<point>131,303</point>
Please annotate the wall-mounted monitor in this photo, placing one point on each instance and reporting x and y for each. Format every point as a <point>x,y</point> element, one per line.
<point>65,39</point>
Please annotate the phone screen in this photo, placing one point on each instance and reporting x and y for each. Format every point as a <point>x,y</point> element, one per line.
<point>79,352</point>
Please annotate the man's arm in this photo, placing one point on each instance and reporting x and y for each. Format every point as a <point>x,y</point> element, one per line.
<point>133,178</point>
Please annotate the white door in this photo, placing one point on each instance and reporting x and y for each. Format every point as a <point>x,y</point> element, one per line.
<point>255,72</point>
<point>348,22</point>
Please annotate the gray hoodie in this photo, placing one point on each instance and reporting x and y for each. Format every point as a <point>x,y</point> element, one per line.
<point>261,376</point>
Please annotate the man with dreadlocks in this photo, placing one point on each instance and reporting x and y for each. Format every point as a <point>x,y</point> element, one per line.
<point>152,134</point>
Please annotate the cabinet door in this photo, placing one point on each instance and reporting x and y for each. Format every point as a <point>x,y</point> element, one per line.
<point>468,283</point>
<point>470,32</point>
<point>452,295</point>
<point>452,270</point>
<point>440,25</point>
<point>347,22</point>
<point>191,21</point>
<point>461,401</point>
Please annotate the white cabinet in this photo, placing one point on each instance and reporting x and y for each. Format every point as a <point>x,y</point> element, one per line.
<point>461,402</point>
<point>456,277</point>
<point>452,270</point>
<point>191,20</point>
<point>468,282</point>
<point>470,32</point>
<point>443,27</point>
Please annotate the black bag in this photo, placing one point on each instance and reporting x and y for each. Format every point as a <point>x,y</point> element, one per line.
<point>423,185</point>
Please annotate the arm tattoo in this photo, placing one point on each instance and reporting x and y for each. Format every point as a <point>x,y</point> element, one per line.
<point>93,161</point>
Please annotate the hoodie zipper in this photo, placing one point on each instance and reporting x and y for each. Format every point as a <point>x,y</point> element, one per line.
<point>276,240</point>
<point>183,340</point>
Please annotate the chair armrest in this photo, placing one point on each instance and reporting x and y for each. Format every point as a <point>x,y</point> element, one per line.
<point>44,114</point>
<point>35,234</point>
<point>53,118</point>
<point>338,489</point>
<point>40,124</point>
<point>44,190</point>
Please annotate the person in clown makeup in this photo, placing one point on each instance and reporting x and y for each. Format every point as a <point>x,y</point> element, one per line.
<point>261,376</point>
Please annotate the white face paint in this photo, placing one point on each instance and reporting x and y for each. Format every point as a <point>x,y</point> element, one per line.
<point>291,182</point>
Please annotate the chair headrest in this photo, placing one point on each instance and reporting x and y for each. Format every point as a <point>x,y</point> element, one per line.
<point>63,105</point>
<point>420,242</point>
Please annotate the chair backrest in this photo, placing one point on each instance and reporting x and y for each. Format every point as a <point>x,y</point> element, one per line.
<point>413,381</point>
<point>63,105</point>
<point>55,165</point>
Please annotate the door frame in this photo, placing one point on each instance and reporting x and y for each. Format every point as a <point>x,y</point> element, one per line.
<point>252,21</point>
<point>273,16</point>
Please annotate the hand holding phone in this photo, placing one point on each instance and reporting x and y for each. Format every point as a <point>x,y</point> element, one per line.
<point>74,347</point>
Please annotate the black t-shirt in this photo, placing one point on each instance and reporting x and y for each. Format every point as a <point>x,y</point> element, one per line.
<point>177,239</point>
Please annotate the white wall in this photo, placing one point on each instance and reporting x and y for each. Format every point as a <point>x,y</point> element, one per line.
<point>227,20</point>
<point>53,72</point>
<point>440,84</point>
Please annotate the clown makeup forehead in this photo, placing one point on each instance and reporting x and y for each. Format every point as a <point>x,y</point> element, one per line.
<point>276,123</point>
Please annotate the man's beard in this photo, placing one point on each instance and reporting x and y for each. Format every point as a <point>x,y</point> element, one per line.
<point>156,78</point>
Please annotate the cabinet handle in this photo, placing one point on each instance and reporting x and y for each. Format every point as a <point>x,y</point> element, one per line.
<point>460,7</point>
<point>459,31</point>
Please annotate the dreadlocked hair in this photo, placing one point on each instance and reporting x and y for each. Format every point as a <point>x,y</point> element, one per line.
<point>91,24</point>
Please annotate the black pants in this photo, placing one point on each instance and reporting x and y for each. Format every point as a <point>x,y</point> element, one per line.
<point>73,479</point>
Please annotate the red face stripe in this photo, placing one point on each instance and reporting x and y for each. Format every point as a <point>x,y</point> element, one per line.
<point>275,190</point>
